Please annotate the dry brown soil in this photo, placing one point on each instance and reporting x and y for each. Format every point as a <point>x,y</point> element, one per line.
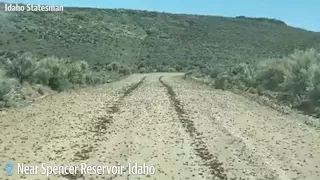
<point>182,129</point>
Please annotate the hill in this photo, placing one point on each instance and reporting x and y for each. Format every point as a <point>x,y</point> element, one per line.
<point>149,40</point>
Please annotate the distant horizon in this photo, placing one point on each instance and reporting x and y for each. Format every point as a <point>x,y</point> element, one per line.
<point>114,5</point>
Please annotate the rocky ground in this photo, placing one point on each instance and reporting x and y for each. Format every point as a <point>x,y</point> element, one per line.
<point>172,129</point>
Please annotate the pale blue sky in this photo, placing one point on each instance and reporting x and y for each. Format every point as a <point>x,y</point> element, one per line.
<point>299,13</point>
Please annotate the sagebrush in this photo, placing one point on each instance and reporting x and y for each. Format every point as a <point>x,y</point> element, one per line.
<point>294,79</point>
<point>56,73</point>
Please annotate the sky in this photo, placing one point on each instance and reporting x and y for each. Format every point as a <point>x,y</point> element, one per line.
<point>298,13</point>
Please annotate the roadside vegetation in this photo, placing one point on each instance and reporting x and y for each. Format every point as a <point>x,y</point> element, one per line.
<point>19,71</point>
<point>293,80</point>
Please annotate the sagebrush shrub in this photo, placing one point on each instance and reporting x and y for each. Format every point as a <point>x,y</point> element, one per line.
<point>214,72</point>
<point>294,79</point>
<point>77,72</point>
<point>22,68</point>
<point>269,74</point>
<point>7,87</point>
<point>117,67</point>
<point>52,72</point>
<point>58,74</point>
<point>223,81</point>
<point>243,75</point>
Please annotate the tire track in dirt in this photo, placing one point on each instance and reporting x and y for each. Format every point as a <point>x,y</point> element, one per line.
<point>198,143</point>
<point>101,125</point>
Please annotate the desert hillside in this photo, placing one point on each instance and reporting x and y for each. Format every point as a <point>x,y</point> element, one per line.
<point>149,40</point>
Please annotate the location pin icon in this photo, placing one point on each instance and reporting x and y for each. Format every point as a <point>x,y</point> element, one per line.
<point>8,167</point>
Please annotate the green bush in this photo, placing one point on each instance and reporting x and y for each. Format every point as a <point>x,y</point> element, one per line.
<point>223,81</point>
<point>78,72</point>
<point>7,87</point>
<point>58,74</point>
<point>53,72</point>
<point>214,72</point>
<point>98,78</point>
<point>294,80</point>
<point>22,68</point>
<point>293,77</point>
<point>243,76</point>
<point>113,66</point>
<point>117,67</point>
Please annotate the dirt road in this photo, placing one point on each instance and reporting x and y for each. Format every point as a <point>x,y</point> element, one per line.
<point>161,127</point>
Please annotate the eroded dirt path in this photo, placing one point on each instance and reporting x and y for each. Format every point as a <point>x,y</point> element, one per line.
<point>182,129</point>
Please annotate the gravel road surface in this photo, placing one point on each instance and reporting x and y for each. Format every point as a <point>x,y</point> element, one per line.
<point>156,126</point>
